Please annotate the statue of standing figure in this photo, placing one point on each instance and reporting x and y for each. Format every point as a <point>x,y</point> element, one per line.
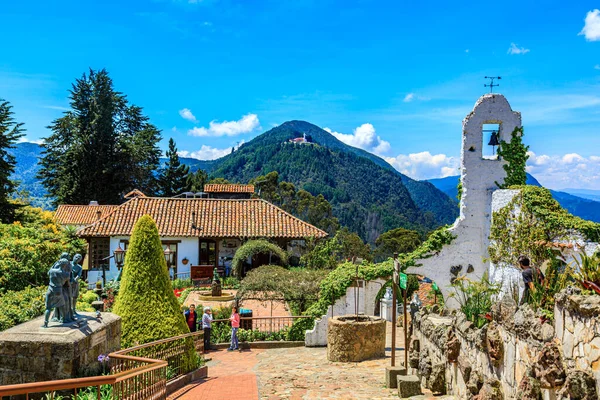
<point>76,270</point>
<point>59,275</point>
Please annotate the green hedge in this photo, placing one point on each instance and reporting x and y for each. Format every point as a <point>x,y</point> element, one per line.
<point>146,302</point>
<point>253,247</point>
<point>21,306</point>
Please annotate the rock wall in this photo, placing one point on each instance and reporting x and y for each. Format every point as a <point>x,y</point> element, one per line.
<point>366,292</point>
<point>516,356</point>
<point>30,353</point>
<point>352,341</point>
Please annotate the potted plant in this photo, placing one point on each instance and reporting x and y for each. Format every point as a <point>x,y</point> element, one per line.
<point>185,261</point>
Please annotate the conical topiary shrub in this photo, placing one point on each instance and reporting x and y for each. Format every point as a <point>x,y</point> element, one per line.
<point>146,303</point>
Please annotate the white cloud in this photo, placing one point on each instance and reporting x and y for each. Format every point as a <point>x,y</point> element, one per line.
<point>246,124</point>
<point>25,140</point>
<point>207,152</point>
<point>565,171</point>
<point>409,97</point>
<point>424,165</point>
<point>467,50</point>
<point>364,137</point>
<point>591,29</point>
<point>597,66</point>
<point>514,49</point>
<point>186,113</point>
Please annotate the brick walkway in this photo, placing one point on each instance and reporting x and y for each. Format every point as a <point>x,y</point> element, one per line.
<point>293,374</point>
<point>230,377</point>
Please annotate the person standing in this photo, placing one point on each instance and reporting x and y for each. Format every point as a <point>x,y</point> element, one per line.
<point>531,276</point>
<point>206,326</point>
<point>191,317</point>
<point>235,325</point>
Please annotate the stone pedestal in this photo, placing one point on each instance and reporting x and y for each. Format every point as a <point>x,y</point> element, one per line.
<point>391,376</point>
<point>30,353</point>
<point>215,289</point>
<point>408,386</point>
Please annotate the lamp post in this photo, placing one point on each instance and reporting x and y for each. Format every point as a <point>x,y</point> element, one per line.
<point>119,256</point>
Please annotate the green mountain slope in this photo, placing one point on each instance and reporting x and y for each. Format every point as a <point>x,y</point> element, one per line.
<point>367,196</point>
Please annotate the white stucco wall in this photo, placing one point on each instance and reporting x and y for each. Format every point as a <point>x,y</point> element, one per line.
<point>479,176</point>
<point>187,247</point>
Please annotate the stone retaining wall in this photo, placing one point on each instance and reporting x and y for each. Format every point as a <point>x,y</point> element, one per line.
<point>516,356</point>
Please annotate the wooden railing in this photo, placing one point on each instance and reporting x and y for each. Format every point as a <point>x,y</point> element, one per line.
<point>139,372</point>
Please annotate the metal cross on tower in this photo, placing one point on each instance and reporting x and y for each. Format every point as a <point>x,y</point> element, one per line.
<point>491,84</point>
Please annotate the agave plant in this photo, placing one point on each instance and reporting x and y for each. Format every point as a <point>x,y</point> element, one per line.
<point>587,272</point>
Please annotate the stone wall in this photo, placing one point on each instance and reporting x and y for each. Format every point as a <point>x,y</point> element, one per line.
<point>349,340</point>
<point>516,356</point>
<point>30,353</point>
<point>366,292</point>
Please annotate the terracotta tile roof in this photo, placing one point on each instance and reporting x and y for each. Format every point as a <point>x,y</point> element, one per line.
<point>425,294</point>
<point>228,188</point>
<point>134,193</point>
<point>216,218</point>
<point>81,214</point>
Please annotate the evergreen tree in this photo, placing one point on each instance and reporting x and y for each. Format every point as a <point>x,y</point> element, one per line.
<point>195,181</point>
<point>173,177</point>
<point>515,155</point>
<point>100,149</point>
<point>10,132</point>
<point>148,308</point>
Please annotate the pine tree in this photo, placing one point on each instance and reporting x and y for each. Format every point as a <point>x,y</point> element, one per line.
<point>148,308</point>
<point>195,181</point>
<point>515,155</point>
<point>101,148</point>
<point>10,132</point>
<point>173,178</point>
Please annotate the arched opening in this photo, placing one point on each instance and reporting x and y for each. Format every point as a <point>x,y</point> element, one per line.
<point>426,290</point>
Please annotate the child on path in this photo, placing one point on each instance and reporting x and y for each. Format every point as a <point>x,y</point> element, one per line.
<point>235,325</point>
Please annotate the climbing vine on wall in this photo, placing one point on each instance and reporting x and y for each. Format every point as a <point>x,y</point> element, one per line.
<point>531,219</point>
<point>515,155</point>
<point>339,280</point>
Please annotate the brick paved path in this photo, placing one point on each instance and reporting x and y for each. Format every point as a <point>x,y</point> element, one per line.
<point>293,374</point>
<point>230,377</point>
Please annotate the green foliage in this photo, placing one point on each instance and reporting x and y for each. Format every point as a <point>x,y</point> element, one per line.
<point>91,393</point>
<point>588,268</point>
<point>365,193</point>
<point>459,190</point>
<point>21,306</point>
<point>515,155</point>
<point>539,219</point>
<point>146,304</point>
<point>298,287</point>
<point>231,282</point>
<point>397,240</point>
<point>101,137</point>
<point>181,283</point>
<point>320,254</point>
<point>253,247</point>
<point>315,210</point>
<point>475,298</point>
<point>351,246</point>
<point>195,181</point>
<point>337,281</point>
<point>10,132</point>
<point>30,246</point>
<point>172,179</point>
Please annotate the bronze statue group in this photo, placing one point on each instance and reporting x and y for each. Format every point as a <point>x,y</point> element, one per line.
<point>63,289</point>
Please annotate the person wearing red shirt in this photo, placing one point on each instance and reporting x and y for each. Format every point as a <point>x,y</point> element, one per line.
<point>191,317</point>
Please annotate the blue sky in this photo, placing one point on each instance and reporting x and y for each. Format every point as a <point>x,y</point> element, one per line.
<point>394,78</point>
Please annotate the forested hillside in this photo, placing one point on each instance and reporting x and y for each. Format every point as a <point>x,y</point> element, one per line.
<point>366,197</point>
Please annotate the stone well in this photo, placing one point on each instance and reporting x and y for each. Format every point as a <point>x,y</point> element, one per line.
<point>352,338</point>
